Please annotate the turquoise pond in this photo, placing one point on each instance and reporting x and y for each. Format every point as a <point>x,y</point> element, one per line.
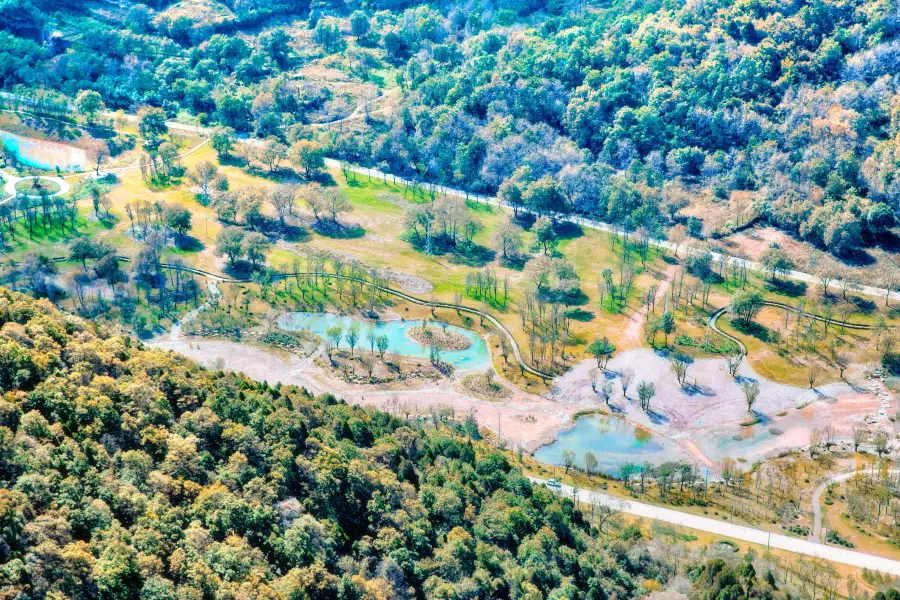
<point>44,154</point>
<point>476,356</point>
<point>613,441</point>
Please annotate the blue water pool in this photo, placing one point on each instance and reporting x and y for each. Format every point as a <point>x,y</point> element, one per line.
<point>44,154</point>
<point>613,441</point>
<point>476,356</point>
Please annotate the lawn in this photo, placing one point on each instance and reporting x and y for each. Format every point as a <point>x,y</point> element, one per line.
<point>378,208</point>
<point>30,187</point>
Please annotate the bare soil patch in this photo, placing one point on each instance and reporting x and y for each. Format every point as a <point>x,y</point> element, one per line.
<point>439,338</point>
<point>705,415</point>
<point>485,386</point>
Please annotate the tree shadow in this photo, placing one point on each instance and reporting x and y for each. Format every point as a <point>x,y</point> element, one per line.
<point>239,269</point>
<point>567,230</point>
<point>294,233</point>
<point>338,230</point>
<point>101,132</point>
<point>864,305</point>
<point>752,329</point>
<point>787,287</point>
<point>231,160</point>
<point>692,389</point>
<point>580,315</point>
<point>575,297</point>
<point>188,243</point>
<point>525,220</point>
<point>858,258</point>
<point>887,241</point>
<point>761,418</point>
<point>657,418</point>
<point>515,263</point>
<point>473,256</point>
<point>324,178</point>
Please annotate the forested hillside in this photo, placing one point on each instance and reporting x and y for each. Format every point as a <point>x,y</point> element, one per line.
<point>793,100</point>
<point>128,473</point>
<point>567,106</point>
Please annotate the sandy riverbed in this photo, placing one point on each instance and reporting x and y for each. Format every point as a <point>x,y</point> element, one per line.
<point>524,419</point>
<point>704,419</point>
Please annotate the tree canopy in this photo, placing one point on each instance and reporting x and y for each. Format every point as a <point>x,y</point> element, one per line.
<point>132,473</point>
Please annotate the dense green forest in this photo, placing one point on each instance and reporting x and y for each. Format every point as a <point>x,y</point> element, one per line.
<point>560,106</point>
<point>130,473</point>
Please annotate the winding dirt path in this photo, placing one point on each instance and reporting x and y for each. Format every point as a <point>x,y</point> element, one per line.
<point>634,332</point>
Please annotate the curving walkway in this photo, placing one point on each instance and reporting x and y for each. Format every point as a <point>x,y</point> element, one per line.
<point>492,200</point>
<point>816,535</point>
<point>846,325</point>
<point>11,180</point>
<point>388,290</point>
<point>596,225</point>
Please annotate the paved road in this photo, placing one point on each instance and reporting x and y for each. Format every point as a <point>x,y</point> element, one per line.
<point>739,532</point>
<point>588,223</point>
<point>599,226</point>
<point>9,187</point>
<point>501,329</point>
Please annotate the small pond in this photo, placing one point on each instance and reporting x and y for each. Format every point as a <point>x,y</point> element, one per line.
<point>44,154</point>
<point>476,356</point>
<point>892,382</point>
<point>613,441</point>
<point>739,442</point>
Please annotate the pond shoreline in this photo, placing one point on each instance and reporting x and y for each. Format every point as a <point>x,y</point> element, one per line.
<point>699,427</point>
<point>703,420</point>
<point>477,356</point>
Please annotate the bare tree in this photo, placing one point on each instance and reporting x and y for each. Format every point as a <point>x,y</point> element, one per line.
<point>733,362</point>
<point>860,434</point>
<point>842,361</point>
<point>813,370</point>
<point>627,378</point>
<point>568,459</point>
<point>881,439</point>
<point>751,393</point>
<point>203,176</point>
<point>596,377</point>
<point>606,391</point>
<point>603,512</point>
<point>283,197</point>
<point>679,363</point>
<point>815,440</point>
<point>98,152</point>
<point>590,463</point>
